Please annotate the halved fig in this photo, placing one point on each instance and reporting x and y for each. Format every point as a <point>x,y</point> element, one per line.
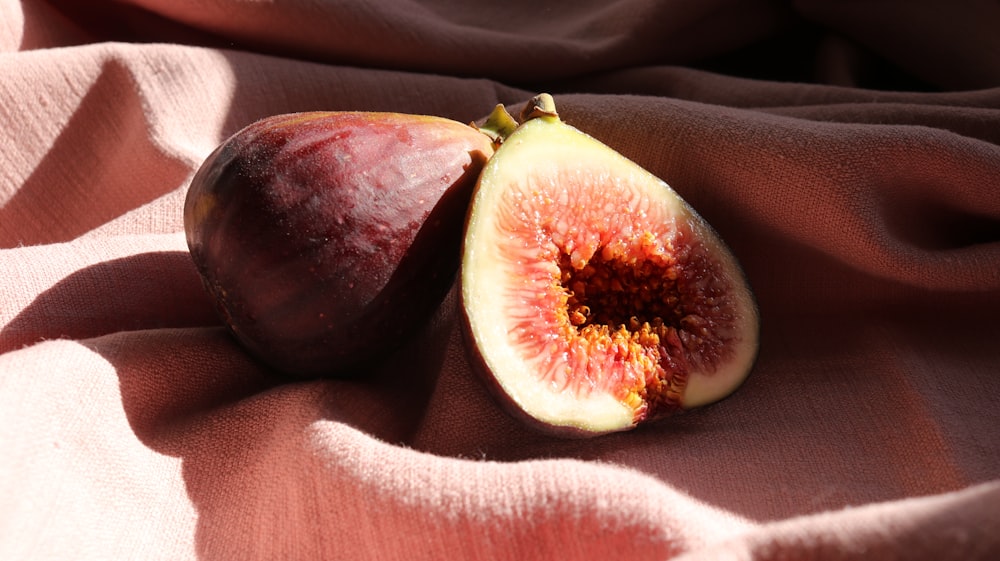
<point>594,297</point>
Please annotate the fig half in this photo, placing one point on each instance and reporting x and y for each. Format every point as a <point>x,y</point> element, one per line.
<point>327,239</point>
<point>594,297</point>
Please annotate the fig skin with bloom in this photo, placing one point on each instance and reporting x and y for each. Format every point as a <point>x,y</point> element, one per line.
<point>327,239</point>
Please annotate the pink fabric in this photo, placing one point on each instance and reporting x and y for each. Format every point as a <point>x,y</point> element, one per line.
<point>849,153</point>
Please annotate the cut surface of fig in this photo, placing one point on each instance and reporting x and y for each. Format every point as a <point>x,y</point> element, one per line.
<point>594,297</point>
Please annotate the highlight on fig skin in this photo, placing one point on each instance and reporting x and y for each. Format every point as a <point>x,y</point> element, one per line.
<point>609,302</point>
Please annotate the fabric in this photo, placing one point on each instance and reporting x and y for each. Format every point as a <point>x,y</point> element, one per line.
<point>848,152</point>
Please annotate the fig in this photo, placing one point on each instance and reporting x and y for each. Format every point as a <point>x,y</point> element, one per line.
<point>594,298</point>
<point>328,238</point>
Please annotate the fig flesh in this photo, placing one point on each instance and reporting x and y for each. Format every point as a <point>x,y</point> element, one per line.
<point>328,238</point>
<point>594,297</point>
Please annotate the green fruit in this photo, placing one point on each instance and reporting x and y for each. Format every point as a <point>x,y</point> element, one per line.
<point>594,297</point>
<point>328,238</point>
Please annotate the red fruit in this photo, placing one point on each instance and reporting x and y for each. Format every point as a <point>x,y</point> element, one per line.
<point>594,298</point>
<point>329,238</point>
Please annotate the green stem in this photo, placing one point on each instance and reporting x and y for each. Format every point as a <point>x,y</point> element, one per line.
<point>542,105</point>
<point>498,125</point>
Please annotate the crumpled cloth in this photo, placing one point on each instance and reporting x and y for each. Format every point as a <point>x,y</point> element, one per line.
<point>848,152</point>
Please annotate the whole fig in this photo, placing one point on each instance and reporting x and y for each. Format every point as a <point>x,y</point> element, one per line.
<point>327,239</point>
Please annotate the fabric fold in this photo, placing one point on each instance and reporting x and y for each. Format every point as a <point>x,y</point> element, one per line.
<point>853,176</point>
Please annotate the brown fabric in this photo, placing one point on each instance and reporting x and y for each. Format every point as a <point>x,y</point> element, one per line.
<point>848,152</point>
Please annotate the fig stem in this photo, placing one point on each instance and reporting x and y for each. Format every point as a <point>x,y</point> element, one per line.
<point>498,125</point>
<point>542,105</point>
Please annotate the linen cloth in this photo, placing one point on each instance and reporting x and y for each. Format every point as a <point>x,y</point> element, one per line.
<point>848,152</point>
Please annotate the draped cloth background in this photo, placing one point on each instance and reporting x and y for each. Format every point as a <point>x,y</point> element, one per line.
<point>849,153</point>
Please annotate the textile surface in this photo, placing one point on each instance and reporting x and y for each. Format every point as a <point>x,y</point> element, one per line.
<point>848,153</point>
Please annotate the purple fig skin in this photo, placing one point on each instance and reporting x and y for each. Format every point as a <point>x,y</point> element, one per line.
<point>327,239</point>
